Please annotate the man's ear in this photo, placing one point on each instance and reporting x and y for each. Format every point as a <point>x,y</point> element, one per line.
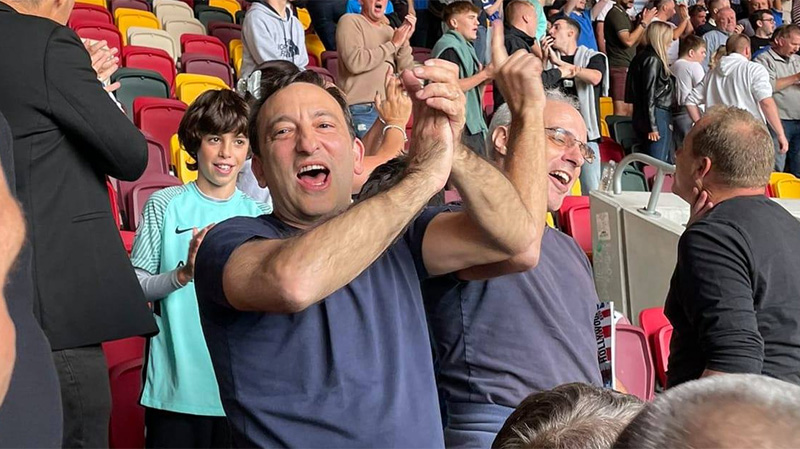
<point>452,23</point>
<point>258,171</point>
<point>358,156</point>
<point>701,171</point>
<point>500,139</point>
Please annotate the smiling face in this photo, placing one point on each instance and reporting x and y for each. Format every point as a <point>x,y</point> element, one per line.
<point>466,24</point>
<point>373,10</point>
<point>308,156</point>
<point>563,162</point>
<point>219,160</point>
<point>726,20</point>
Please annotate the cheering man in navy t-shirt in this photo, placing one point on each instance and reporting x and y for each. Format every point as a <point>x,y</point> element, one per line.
<point>313,315</point>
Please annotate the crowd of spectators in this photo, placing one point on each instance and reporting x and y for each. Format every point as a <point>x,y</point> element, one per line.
<point>312,289</point>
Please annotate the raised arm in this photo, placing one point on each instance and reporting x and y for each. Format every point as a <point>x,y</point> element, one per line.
<point>357,54</point>
<point>630,38</point>
<point>598,7</point>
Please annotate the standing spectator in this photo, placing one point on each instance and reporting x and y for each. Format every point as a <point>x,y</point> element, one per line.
<point>758,5</point>
<point>368,47</point>
<point>666,13</point>
<point>714,6</point>
<point>697,16</point>
<point>456,46</point>
<point>180,393</point>
<point>271,31</point>
<point>688,72</point>
<point>30,415</point>
<point>576,10</point>
<point>650,89</point>
<point>599,26</point>
<point>68,136</point>
<point>763,22</point>
<point>586,81</point>
<point>783,65</point>
<point>735,293</point>
<point>324,16</point>
<point>718,37</point>
<point>621,41</point>
<point>741,83</point>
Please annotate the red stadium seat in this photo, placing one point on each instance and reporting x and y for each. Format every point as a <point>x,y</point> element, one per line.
<point>312,60</point>
<point>204,45</point>
<point>633,366</point>
<point>420,54</point>
<point>126,426</point>
<point>140,5</point>
<point>100,31</point>
<point>326,75</point>
<point>661,350</point>
<point>157,157</point>
<point>652,320</point>
<point>84,13</point>
<point>159,118</point>
<point>150,59</point>
<point>610,150</point>
<point>330,60</point>
<point>225,32</point>
<point>579,221</point>
<point>488,100</point>
<point>569,203</point>
<point>133,200</point>
<point>207,65</point>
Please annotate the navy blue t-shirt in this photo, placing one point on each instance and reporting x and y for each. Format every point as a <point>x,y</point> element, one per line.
<point>497,341</point>
<point>354,370</point>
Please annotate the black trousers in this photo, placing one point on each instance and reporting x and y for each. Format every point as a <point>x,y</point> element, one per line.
<point>324,15</point>
<point>165,429</point>
<point>85,396</point>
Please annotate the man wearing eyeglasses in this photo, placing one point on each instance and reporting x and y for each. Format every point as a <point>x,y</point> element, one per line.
<point>497,339</point>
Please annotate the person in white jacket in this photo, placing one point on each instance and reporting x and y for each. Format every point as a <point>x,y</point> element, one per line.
<point>741,83</point>
<point>271,32</point>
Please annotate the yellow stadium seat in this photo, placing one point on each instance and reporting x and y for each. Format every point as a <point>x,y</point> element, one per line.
<point>174,148</point>
<point>788,188</point>
<point>94,2</point>
<point>550,221</point>
<point>304,17</point>
<point>236,52</point>
<point>126,18</point>
<point>232,6</point>
<point>189,86</point>
<point>576,188</point>
<point>775,176</point>
<point>184,174</point>
<point>604,129</point>
<point>606,107</point>
<point>314,46</point>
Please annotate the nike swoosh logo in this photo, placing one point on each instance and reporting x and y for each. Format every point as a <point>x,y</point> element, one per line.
<point>181,231</point>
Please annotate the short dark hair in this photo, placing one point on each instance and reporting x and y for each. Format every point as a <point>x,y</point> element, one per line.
<point>690,42</point>
<point>696,9</point>
<point>572,23</point>
<point>739,146</point>
<point>714,4</point>
<point>784,31</point>
<point>460,7</point>
<point>570,416</point>
<point>213,112</point>
<point>274,81</point>
<point>758,15</point>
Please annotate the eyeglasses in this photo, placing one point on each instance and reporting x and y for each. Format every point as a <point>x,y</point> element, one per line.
<point>564,138</point>
<point>768,19</point>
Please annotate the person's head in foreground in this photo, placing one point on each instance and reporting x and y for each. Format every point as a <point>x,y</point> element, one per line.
<point>724,411</point>
<point>214,133</point>
<point>462,17</point>
<point>566,144</point>
<point>521,15</point>
<point>786,40</point>
<point>727,153</point>
<point>570,416</point>
<point>304,147</point>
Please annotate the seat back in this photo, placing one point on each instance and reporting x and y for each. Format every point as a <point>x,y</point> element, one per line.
<point>183,172</point>
<point>207,14</point>
<point>633,366</point>
<point>100,31</point>
<point>651,321</point>
<point>231,6</point>
<point>207,65</point>
<point>100,3</point>
<point>788,188</point>
<point>236,48</point>
<point>315,47</point>
<point>606,107</point>
<point>160,119</point>
<point>225,32</point>
<point>330,60</point>
<point>633,180</point>
<point>86,14</point>
<point>147,58</point>
<point>612,120</point>
<point>140,5</point>
<point>421,54</point>
<point>304,17</point>
<point>625,135</point>
<point>774,177</point>
<point>126,426</point>
<point>126,18</point>
<point>661,352</point>
<point>146,37</point>
<point>157,157</point>
<point>138,83</point>
<point>173,9</point>
<point>138,192</point>
<point>569,203</point>
<point>580,227</point>
<point>204,45</point>
<point>178,27</point>
<point>189,86</point>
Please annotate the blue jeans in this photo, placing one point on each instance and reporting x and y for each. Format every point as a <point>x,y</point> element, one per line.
<point>324,15</point>
<point>662,148</point>
<point>364,115</point>
<point>591,173</point>
<point>473,425</point>
<point>789,162</point>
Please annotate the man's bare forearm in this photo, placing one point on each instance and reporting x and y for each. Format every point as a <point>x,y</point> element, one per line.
<point>492,202</point>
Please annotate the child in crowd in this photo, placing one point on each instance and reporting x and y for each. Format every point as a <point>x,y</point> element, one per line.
<point>181,396</point>
<point>688,72</point>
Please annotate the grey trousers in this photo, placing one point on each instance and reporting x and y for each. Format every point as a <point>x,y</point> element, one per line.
<point>85,396</point>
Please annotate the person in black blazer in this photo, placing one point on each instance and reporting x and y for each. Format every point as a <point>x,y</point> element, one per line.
<point>68,135</point>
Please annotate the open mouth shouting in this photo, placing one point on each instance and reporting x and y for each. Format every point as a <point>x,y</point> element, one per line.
<point>314,176</point>
<point>561,180</point>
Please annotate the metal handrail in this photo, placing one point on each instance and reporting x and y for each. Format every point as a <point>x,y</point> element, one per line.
<point>664,169</point>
